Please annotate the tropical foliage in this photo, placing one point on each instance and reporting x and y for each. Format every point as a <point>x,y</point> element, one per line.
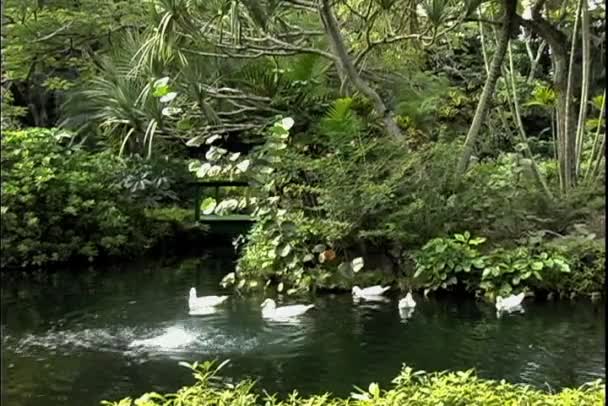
<point>409,388</point>
<point>60,202</point>
<point>366,129</point>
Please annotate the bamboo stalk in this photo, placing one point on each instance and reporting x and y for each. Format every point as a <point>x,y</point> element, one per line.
<point>570,144</point>
<point>596,138</point>
<point>482,36</point>
<point>586,68</point>
<point>522,132</point>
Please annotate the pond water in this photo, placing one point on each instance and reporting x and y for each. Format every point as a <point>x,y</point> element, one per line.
<point>77,337</point>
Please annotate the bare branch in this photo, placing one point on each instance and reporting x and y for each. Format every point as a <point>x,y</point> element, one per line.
<point>54,33</point>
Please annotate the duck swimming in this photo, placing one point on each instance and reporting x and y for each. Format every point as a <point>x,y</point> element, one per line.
<point>271,311</point>
<point>195,302</point>
<point>370,293</point>
<point>510,303</point>
<point>407,302</point>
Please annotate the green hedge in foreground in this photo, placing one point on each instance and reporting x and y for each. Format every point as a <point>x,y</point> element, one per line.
<point>410,388</point>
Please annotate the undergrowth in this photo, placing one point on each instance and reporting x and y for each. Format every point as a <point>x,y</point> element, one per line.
<point>410,387</point>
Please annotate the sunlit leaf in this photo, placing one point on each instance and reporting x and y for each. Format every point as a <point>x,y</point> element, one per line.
<point>287,123</point>
<point>357,264</point>
<point>285,250</point>
<point>228,280</point>
<point>170,111</point>
<point>208,205</point>
<point>374,389</point>
<point>168,97</point>
<point>203,170</point>
<point>194,166</point>
<point>317,249</point>
<point>243,165</point>
<point>196,141</point>
<point>161,82</point>
<point>213,138</point>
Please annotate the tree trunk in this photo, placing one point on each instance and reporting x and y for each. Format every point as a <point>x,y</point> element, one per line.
<point>488,89</point>
<point>337,46</point>
<point>586,67</point>
<point>566,135</point>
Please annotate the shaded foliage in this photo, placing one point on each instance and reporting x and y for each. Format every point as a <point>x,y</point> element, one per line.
<point>61,203</point>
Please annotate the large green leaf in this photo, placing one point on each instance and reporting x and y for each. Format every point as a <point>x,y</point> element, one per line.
<point>208,205</point>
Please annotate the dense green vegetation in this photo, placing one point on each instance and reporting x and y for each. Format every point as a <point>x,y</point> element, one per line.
<point>410,388</point>
<point>379,137</point>
<point>61,202</point>
<point>433,145</point>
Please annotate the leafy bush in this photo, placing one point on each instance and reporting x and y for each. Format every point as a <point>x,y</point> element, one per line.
<point>514,269</point>
<point>410,388</point>
<point>156,182</point>
<point>587,258</point>
<point>441,260</point>
<point>444,262</point>
<point>354,190</point>
<point>60,202</point>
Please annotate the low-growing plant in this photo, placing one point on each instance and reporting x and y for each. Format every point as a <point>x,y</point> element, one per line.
<point>415,388</point>
<point>443,262</point>
<point>512,269</point>
<point>586,256</point>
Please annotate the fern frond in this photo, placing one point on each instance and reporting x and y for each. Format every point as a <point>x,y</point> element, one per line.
<point>340,120</point>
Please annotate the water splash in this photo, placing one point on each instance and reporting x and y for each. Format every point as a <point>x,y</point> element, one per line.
<point>173,337</point>
<point>65,342</point>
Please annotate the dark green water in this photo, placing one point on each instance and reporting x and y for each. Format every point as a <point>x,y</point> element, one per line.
<point>75,338</point>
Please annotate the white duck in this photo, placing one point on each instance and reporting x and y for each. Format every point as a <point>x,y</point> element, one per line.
<point>271,311</point>
<point>407,302</point>
<point>204,301</point>
<point>202,311</point>
<point>406,313</point>
<point>510,303</point>
<point>370,293</point>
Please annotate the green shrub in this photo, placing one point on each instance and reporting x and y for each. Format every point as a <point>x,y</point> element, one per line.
<point>410,388</point>
<point>157,182</point>
<point>443,262</point>
<point>520,267</point>
<point>572,265</point>
<point>61,202</point>
<point>356,191</point>
<point>587,258</point>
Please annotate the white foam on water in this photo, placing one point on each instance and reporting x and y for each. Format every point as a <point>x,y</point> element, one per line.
<point>68,340</point>
<point>173,337</point>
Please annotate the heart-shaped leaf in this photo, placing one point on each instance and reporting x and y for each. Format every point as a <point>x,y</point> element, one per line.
<point>213,138</point>
<point>170,111</point>
<point>196,141</point>
<point>287,123</point>
<point>168,97</point>
<point>194,166</point>
<point>285,250</point>
<point>208,205</point>
<point>357,264</point>
<point>243,165</point>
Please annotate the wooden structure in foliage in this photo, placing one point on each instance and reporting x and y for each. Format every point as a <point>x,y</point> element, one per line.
<point>230,223</point>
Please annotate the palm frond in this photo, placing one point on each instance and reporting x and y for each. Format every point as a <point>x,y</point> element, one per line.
<point>339,121</point>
